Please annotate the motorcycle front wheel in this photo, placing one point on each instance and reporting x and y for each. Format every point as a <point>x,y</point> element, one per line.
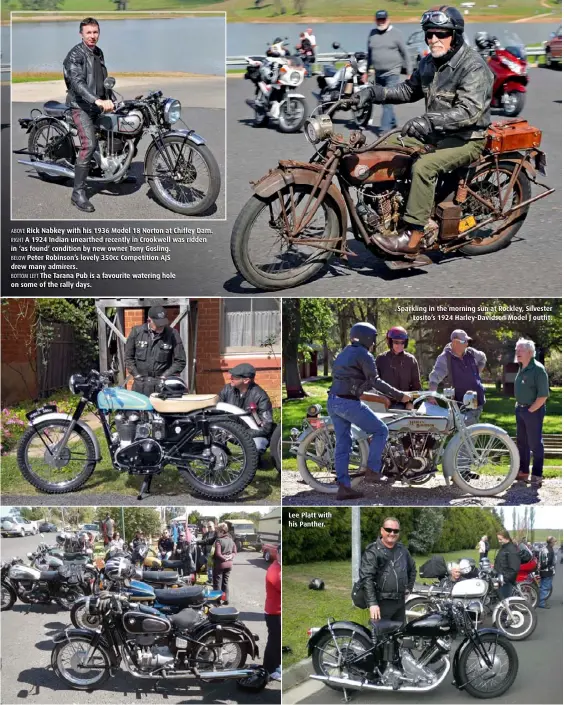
<point>68,656</point>
<point>8,597</point>
<point>184,177</point>
<point>333,652</point>
<point>259,244</point>
<point>514,104</point>
<point>56,475</point>
<point>293,114</point>
<point>517,621</point>
<point>482,682</point>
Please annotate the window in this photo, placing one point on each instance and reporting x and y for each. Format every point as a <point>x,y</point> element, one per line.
<point>251,325</point>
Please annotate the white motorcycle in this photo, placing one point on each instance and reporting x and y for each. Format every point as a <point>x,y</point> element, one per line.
<point>480,459</point>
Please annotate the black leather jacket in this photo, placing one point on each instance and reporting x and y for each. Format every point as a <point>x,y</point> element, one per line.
<point>457,94</point>
<point>78,71</point>
<point>255,395</point>
<point>507,562</point>
<point>386,574</point>
<point>354,372</point>
<point>150,355</point>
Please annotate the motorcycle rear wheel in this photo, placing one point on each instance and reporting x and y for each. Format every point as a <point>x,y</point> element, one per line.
<point>417,607</point>
<point>65,656</point>
<point>228,656</point>
<point>39,140</point>
<point>325,653</point>
<point>529,591</point>
<point>276,447</point>
<point>69,598</point>
<point>8,597</point>
<point>81,619</point>
<point>470,662</point>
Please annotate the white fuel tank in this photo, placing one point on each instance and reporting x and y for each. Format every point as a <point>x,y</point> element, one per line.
<point>471,588</point>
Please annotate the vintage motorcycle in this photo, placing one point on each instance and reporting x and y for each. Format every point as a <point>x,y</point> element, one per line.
<point>481,459</point>
<point>209,442</point>
<point>181,171</point>
<point>508,63</point>
<point>64,585</point>
<point>414,657</point>
<point>148,645</point>
<point>298,217</point>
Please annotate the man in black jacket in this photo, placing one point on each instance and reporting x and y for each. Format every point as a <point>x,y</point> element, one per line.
<point>456,84</point>
<point>388,573</point>
<point>153,352</point>
<point>242,391</point>
<point>547,568</point>
<point>84,71</point>
<point>507,562</point>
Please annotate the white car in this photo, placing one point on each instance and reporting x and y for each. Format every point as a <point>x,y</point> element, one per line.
<point>93,529</point>
<point>18,527</point>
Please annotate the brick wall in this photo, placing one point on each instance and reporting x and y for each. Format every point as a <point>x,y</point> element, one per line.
<point>18,377</point>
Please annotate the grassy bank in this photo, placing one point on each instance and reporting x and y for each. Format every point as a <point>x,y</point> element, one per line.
<point>32,77</point>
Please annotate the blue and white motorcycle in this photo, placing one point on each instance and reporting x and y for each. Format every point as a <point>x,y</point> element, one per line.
<point>211,443</point>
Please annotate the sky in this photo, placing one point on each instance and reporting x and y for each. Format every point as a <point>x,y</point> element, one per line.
<point>545,517</point>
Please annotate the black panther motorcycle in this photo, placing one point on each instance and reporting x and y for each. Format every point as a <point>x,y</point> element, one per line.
<point>414,657</point>
<point>210,443</point>
<point>180,168</point>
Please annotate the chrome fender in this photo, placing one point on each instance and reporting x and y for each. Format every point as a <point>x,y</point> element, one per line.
<point>511,601</point>
<point>293,95</point>
<point>56,416</point>
<point>242,415</point>
<point>456,441</point>
<point>190,135</point>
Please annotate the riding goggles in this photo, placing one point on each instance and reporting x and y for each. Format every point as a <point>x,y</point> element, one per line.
<point>435,17</point>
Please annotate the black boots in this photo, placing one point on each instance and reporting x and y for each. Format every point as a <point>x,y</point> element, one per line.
<point>79,198</point>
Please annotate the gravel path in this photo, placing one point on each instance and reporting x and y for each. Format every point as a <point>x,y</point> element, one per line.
<point>434,492</point>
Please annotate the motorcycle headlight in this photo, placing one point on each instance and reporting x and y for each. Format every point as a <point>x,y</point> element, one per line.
<point>172,111</point>
<point>318,128</point>
<point>75,384</point>
<point>513,66</point>
<point>470,400</point>
<point>295,78</point>
<point>448,392</point>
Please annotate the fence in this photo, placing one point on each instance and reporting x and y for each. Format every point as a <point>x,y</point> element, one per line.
<point>56,362</point>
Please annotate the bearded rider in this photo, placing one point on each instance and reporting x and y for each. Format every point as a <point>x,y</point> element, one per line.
<point>456,84</point>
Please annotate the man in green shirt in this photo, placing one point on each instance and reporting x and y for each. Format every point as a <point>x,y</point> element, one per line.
<point>531,393</point>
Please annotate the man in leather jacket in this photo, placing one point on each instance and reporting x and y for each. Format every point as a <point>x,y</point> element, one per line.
<point>84,71</point>
<point>153,352</point>
<point>242,391</point>
<point>388,573</point>
<point>456,84</point>
<point>354,372</point>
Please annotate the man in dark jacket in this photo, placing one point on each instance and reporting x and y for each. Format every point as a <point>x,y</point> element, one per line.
<point>85,71</point>
<point>387,573</point>
<point>547,566</point>
<point>354,372</point>
<point>398,367</point>
<point>153,352</point>
<point>456,84</point>
<point>242,391</point>
<point>507,562</point>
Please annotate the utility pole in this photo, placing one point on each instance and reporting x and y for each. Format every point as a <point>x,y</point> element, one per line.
<point>355,541</point>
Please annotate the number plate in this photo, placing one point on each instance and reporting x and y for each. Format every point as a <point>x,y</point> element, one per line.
<point>41,411</point>
<point>466,223</point>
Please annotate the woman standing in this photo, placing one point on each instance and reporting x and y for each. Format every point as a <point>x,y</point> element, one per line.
<point>116,542</point>
<point>224,553</point>
<point>507,562</point>
<point>272,610</point>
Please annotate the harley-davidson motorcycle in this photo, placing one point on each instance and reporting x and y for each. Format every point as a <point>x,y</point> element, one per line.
<point>481,459</point>
<point>180,169</point>
<point>300,212</point>
<point>149,645</point>
<point>414,657</point>
<point>209,442</point>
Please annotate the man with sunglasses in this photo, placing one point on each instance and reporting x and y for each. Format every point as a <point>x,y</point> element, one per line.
<point>388,573</point>
<point>397,367</point>
<point>456,84</point>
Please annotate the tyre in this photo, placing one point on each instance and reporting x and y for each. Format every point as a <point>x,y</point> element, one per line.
<point>236,463</point>
<point>267,557</point>
<point>530,592</point>
<point>50,141</point>
<point>37,463</point>
<point>68,599</point>
<point>498,234</point>
<point>417,607</point>
<point>549,63</point>
<point>293,114</point>
<point>260,119</point>
<point>316,459</point>
<point>471,664</point>
<point>66,656</point>
<point>493,467</point>
<point>22,533</point>
<point>517,622</point>
<point>192,186</point>
<point>260,250</point>
<point>326,659</point>
<point>226,653</point>
<point>81,619</point>
<point>276,447</point>
<point>8,597</point>
<point>514,104</point>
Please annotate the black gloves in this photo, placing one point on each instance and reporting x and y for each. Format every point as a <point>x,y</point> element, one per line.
<point>370,94</point>
<point>419,128</point>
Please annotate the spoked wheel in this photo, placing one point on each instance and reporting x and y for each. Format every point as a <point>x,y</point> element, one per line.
<point>234,462</point>
<point>333,653</point>
<point>276,447</point>
<point>260,247</point>
<point>50,142</point>
<point>81,619</point>
<point>183,176</point>
<point>293,113</point>
<point>50,467</point>
<point>529,591</point>
<point>316,459</point>
<point>499,233</point>
<point>68,660</point>
<point>223,654</point>
<point>418,607</point>
<point>491,468</point>
<point>68,599</point>
<point>8,597</point>
<point>517,621</point>
<point>483,681</point>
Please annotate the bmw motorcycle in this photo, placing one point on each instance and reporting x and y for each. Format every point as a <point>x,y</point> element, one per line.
<point>481,459</point>
<point>149,645</point>
<point>414,657</point>
<point>180,169</point>
<point>209,442</point>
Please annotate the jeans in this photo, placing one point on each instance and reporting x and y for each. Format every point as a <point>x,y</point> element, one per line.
<point>221,581</point>
<point>545,586</point>
<point>388,121</point>
<point>273,647</point>
<point>506,590</point>
<point>343,413</point>
<point>529,439</point>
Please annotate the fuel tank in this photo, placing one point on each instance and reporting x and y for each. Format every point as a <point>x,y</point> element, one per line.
<point>24,572</point>
<point>119,399</point>
<point>428,625</point>
<point>419,424</point>
<point>141,592</point>
<point>473,587</point>
<point>139,623</point>
<point>381,165</point>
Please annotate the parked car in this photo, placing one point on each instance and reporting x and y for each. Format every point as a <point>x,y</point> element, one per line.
<point>93,529</point>
<point>243,532</point>
<point>553,49</point>
<point>46,527</point>
<point>269,552</point>
<point>18,527</point>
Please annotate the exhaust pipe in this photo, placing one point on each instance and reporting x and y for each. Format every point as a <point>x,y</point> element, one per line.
<point>49,168</point>
<point>222,675</point>
<point>365,685</point>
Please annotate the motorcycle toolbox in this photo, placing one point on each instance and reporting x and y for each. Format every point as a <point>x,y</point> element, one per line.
<point>512,135</point>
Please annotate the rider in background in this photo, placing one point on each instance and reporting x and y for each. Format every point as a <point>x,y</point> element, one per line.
<point>397,367</point>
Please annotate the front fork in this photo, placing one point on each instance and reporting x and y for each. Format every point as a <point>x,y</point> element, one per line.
<point>56,452</point>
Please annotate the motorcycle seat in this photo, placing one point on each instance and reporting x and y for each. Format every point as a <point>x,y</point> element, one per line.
<point>223,615</point>
<point>181,597</point>
<point>385,626</point>
<point>160,576</point>
<point>171,564</point>
<point>50,575</point>
<point>54,108</point>
<point>186,619</point>
<point>183,404</point>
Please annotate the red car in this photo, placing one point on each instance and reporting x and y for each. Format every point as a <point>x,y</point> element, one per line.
<point>553,49</point>
<point>269,552</point>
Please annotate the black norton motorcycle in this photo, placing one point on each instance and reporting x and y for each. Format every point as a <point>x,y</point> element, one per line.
<point>149,645</point>
<point>181,170</point>
<point>208,442</point>
<point>414,657</point>
<point>64,585</point>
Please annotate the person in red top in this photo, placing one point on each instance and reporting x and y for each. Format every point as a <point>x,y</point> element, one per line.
<point>272,611</point>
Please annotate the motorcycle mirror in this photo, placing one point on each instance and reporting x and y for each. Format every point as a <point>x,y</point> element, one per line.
<point>336,45</point>
<point>42,536</point>
<point>109,82</point>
